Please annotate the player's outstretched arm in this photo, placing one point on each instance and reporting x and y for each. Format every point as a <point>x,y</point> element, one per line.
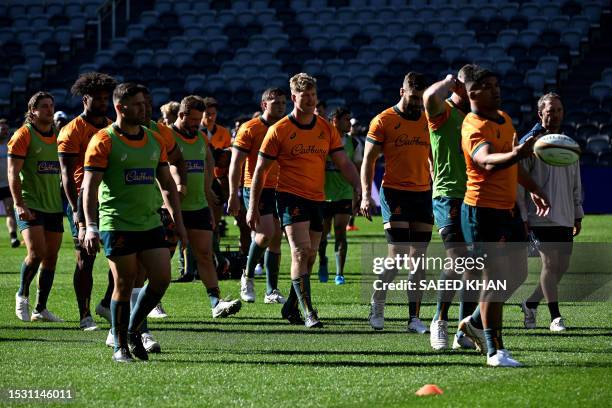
<point>262,167</point>
<point>173,202</point>
<point>370,155</point>
<point>235,171</point>
<point>91,183</point>
<point>486,158</point>
<point>434,96</point>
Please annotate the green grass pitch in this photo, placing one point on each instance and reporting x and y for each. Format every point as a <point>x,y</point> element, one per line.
<point>256,359</point>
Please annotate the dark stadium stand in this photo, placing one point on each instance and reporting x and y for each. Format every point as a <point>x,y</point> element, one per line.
<point>358,49</point>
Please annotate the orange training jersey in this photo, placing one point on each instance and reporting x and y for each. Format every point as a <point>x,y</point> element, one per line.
<point>218,137</point>
<point>248,140</point>
<point>165,135</point>
<point>73,140</point>
<point>301,151</point>
<point>491,189</point>
<point>406,147</point>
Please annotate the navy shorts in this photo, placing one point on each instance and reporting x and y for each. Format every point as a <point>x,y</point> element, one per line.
<point>5,192</point>
<point>481,224</point>
<point>267,201</point>
<point>331,208</point>
<point>52,222</point>
<point>401,205</point>
<point>293,209</point>
<point>198,219</point>
<point>555,237</point>
<point>122,243</point>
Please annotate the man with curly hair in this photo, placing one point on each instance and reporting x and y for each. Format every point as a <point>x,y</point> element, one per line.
<point>96,89</point>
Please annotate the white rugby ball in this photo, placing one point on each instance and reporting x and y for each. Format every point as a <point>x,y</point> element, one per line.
<point>557,150</point>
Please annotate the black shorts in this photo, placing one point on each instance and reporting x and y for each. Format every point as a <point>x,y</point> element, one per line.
<point>52,222</point>
<point>331,208</point>
<point>555,237</point>
<point>5,192</point>
<point>411,206</point>
<point>198,219</point>
<point>122,243</point>
<point>267,201</point>
<point>293,209</point>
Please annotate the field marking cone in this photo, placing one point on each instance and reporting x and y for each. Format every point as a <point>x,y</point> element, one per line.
<point>429,389</point>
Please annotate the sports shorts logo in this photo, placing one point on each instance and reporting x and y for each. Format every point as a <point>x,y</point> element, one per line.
<point>194,166</point>
<point>139,176</point>
<point>48,167</point>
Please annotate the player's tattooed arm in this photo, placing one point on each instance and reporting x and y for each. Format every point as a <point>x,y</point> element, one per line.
<point>91,183</point>
<point>15,165</point>
<point>434,96</point>
<point>370,155</point>
<point>262,167</point>
<point>235,171</point>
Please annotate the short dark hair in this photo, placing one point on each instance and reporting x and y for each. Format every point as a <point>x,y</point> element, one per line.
<point>474,74</point>
<point>33,104</point>
<point>414,81</point>
<point>340,112</point>
<point>272,93</point>
<point>192,102</point>
<point>547,98</point>
<point>210,102</point>
<point>127,90</point>
<point>92,82</point>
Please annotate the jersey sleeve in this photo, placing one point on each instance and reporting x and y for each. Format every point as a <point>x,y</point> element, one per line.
<point>436,122</point>
<point>270,145</point>
<point>472,139</point>
<point>67,141</point>
<point>244,139</point>
<point>163,144</point>
<point>19,143</point>
<point>376,132</point>
<point>335,143</point>
<point>98,150</point>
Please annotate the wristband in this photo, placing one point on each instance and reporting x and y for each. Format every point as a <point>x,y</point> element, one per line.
<point>92,228</point>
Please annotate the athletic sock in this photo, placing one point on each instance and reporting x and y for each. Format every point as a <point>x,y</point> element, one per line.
<point>476,319</point>
<point>292,299</point>
<point>27,274</point>
<point>120,320</point>
<point>340,247</point>
<point>553,308</point>
<point>323,251</point>
<point>133,300</point>
<point>302,291</point>
<point>255,253</point>
<point>444,301</point>
<point>146,301</point>
<point>110,287</point>
<point>45,282</point>
<point>532,305</point>
<point>414,309</point>
<point>494,340</point>
<point>213,295</point>
<point>13,235</point>
<point>272,261</point>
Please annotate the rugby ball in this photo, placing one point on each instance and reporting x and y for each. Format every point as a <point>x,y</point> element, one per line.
<point>557,150</point>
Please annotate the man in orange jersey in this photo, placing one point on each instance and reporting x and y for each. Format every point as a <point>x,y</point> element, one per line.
<point>268,232</point>
<point>489,213</point>
<point>220,142</point>
<point>95,89</point>
<point>400,134</point>
<point>300,143</point>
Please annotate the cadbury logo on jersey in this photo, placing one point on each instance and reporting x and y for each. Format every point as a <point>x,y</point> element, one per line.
<point>407,140</point>
<point>139,176</point>
<point>300,149</point>
<point>48,167</point>
<point>194,166</point>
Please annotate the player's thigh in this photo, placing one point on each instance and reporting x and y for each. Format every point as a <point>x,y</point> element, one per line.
<point>266,226</point>
<point>298,235</point>
<point>201,243</point>
<point>156,262</point>
<point>34,237</point>
<point>124,269</point>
